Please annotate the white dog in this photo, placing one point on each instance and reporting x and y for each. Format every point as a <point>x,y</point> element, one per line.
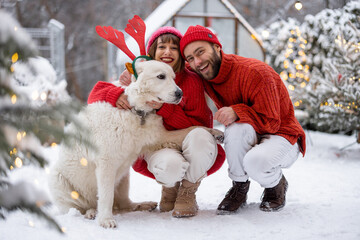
<point>88,179</point>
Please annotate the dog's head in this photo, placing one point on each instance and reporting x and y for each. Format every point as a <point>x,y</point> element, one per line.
<point>155,82</point>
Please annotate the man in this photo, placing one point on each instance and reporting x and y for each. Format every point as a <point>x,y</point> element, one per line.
<point>262,135</point>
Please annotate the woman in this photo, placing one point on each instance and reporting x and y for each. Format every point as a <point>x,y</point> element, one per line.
<point>179,172</point>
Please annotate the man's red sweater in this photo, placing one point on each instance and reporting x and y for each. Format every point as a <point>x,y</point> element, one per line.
<point>257,95</point>
<point>191,111</point>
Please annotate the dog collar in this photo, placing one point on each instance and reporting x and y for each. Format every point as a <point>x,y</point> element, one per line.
<point>142,114</point>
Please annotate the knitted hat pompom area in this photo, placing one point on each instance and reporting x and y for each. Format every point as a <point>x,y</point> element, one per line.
<point>162,31</point>
<point>197,33</point>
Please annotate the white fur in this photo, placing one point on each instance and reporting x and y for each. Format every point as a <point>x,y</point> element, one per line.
<point>120,138</point>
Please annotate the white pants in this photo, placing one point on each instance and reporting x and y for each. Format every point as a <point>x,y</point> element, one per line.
<point>199,152</point>
<point>260,157</point>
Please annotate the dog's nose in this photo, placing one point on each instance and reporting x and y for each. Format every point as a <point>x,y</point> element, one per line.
<point>178,93</point>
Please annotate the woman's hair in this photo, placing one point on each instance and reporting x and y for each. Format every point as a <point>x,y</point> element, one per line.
<point>165,38</point>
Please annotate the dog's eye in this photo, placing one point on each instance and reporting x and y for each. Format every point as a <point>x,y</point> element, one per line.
<point>161,76</point>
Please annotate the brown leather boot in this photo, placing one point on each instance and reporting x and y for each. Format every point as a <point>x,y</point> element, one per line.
<point>234,198</point>
<point>273,199</point>
<point>186,205</point>
<point>168,198</point>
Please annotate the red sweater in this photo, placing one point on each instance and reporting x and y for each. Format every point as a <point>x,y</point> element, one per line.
<point>257,95</point>
<point>191,111</point>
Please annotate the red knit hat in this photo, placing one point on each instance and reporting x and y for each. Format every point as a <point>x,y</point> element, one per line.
<point>161,31</point>
<point>197,33</point>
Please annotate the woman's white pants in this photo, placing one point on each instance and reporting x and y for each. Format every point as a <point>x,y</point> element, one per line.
<point>199,152</point>
<point>260,157</point>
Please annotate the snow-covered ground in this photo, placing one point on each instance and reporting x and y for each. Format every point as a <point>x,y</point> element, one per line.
<point>322,203</point>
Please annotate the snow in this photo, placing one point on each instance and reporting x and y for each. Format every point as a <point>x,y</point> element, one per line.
<point>322,203</point>
<point>36,80</point>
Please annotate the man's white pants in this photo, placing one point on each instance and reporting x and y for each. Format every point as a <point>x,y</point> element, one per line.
<point>260,157</point>
<point>199,152</point>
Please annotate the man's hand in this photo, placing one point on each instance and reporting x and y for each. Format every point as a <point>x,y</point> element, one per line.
<point>122,102</point>
<point>125,78</point>
<point>226,116</point>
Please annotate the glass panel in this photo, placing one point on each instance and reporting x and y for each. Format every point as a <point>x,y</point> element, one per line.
<point>225,30</point>
<point>218,8</point>
<point>193,6</point>
<point>182,23</point>
<point>248,47</point>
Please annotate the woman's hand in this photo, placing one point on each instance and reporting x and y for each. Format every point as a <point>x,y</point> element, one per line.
<point>122,102</point>
<point>155,105</point>
<point>125,78</point>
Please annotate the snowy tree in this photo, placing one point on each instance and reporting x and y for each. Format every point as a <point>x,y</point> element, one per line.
<point>25,124</point>
<point>319,62</point>
<point>334,91</point>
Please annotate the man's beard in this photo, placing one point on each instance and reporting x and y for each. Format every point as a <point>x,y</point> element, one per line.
<point>214,63</point>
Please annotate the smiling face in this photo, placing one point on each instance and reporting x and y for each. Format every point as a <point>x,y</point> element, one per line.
<point>204,58</point>
<point>166,49</point>
<point>167,52</point>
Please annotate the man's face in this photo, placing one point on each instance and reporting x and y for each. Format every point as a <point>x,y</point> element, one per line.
<point>204,58</point>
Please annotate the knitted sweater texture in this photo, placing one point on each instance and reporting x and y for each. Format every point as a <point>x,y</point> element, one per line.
<point>191,111</point>
<point>257,95</point>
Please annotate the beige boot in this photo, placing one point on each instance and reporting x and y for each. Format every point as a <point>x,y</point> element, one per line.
<point>168,198</point>
<point>185,205</point>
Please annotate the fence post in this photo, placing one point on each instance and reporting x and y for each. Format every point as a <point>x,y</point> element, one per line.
<point>57,47</point>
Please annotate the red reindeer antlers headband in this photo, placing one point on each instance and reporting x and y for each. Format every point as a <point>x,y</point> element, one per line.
<point>135,28</point>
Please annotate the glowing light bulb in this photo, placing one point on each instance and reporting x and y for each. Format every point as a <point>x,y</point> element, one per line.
<point>265,34</point>
<point>74,195</point>
<point>19,136</point>
<point>35,95</point>
<point>13,99</point>
<point>43,96</point>
<point>15,57</point>
<point>18,162</point>
<point>83,162</point>
<point>298,5</point>
<point>31,223</point>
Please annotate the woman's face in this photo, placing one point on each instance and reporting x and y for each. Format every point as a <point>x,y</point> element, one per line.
<point>167,52</point>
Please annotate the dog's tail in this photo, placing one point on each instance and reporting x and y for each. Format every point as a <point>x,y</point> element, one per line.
<point>64,194</point>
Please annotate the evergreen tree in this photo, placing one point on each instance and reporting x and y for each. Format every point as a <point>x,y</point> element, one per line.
<point>325,48</point>
<point>24,126</point>
<point>334,91</point>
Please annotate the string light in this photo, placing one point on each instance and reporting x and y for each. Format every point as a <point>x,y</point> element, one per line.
<point>43,96</point>
<point>74,195</point>
<point>35,95</point>
<point>18,162</point>
<point>83,162</point>
<point>13,99</point>
<point>15,57</point>
<point>298,5</point>
<point>265,34</point>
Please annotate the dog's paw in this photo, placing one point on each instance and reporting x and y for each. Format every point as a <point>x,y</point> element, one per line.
<point>107,222</point>
<point>144,206</point>
<point>90,214</point>
<point>218,135</point>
